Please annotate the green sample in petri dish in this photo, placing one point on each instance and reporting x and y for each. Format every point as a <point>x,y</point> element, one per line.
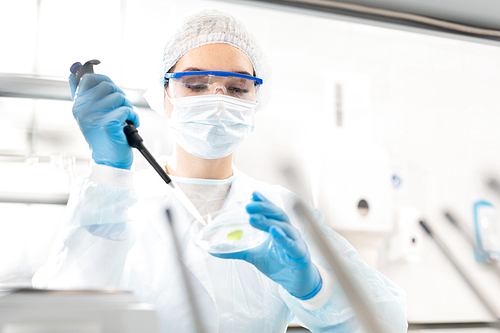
<point>235,235</point>
<point>229,231</point>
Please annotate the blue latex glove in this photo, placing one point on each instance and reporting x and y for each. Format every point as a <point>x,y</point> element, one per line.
<point>284,257</point>
<point>101,109</point>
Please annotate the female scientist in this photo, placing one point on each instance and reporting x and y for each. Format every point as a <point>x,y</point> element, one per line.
<point>213,80</point>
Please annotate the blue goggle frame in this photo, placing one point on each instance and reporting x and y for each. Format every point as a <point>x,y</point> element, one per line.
<point>215,73</point>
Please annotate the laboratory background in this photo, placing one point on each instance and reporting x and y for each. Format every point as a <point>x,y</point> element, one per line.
<point>385,127</point>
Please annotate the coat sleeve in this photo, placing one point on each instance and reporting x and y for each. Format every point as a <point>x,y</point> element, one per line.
<point>99,227</point>
<point>336,315</point>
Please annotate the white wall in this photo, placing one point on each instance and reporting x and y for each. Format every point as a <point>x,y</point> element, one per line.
<point>434,102</point>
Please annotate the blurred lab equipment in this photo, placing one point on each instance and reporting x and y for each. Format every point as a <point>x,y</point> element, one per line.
<point>487,227</point>
<point>494,185</point>
<point>195,310</point>
<point>37,179</point>
<point>360,302</point>
<point>405,244</point>
<point>74,311</point>
<point>355,192</point>
<point>356,186</point>
<point>354,293</point>
<point>479,254</point>
<point>33,193</point>
<point>462,272</point>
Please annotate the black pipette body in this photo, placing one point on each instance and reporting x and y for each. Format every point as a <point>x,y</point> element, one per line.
<point>135,141</point>
<point>133,137</point>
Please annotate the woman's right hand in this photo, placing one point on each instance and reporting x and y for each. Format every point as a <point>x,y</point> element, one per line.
<point>101,109</point>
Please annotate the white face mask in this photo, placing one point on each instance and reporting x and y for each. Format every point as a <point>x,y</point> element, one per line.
<point>211,126</point>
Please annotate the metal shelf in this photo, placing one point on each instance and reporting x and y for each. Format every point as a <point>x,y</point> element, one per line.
<point>471,14</point>
<point>36,87</point>
<point>34,198</point>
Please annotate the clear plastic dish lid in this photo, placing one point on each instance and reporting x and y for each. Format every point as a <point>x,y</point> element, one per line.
<point>227,231</point>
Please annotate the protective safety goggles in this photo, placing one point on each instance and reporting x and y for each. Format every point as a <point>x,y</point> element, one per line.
<point>185,84</point>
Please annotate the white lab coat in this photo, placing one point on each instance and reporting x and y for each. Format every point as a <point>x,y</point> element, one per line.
<point>115,234</point>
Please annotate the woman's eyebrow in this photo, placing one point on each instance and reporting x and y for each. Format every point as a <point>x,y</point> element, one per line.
<point>192,69</point>
<point>244,72</point>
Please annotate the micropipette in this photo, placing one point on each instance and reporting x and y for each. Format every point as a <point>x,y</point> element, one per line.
<point>79,69</point>
<point>135,141</point>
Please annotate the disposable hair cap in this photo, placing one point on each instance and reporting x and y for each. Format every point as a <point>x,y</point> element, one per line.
<point>207,27</point>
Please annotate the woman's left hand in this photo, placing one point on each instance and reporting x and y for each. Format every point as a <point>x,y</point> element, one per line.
<point>284,256</point>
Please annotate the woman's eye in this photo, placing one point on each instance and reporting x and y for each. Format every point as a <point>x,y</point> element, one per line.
<point>236,90</point>
<point>198,87</point>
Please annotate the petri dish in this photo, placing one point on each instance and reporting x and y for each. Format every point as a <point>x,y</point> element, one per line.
<point>227,231</point>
